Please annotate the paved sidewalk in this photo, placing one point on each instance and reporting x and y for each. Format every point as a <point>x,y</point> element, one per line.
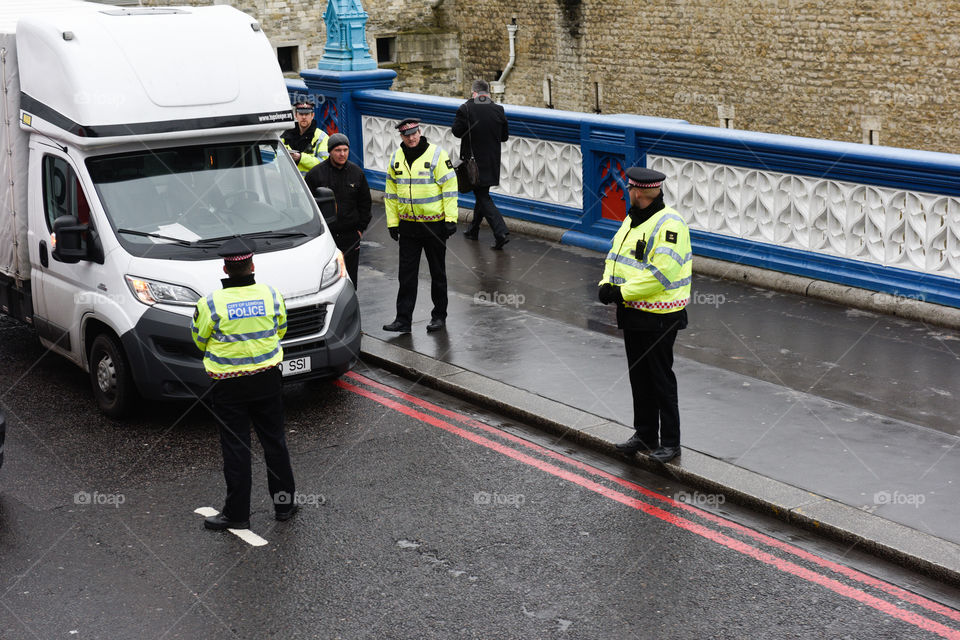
<point>838,419</point>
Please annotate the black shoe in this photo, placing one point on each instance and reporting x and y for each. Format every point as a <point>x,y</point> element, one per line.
<point>397,326</point>
<point>436,324</point>
<point>634,445</point>
<point>471,235</point>
<point>283,516</point>
<point>219,522</point>
<point>498,246</point>
<point>665,454</point>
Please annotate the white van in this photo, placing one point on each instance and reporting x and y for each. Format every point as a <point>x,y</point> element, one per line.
<point>134,142</point>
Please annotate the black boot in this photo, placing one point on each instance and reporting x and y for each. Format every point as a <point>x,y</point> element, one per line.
<point>220,522</point>
<point>665,454</point>
<point>397,327</point>
<point>634,445</point>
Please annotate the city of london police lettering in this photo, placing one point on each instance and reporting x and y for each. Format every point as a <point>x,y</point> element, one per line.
<point>246,309</point>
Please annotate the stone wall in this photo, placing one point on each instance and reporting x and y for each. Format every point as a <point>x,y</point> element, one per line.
<point>426,39</point>
<point>800,67</point>
<point>810,68</point>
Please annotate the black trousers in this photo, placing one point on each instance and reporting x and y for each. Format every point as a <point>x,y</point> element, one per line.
<point>408,274</point>
<point>237,402</point>
<point>486,208</point>
<point>349,243</point>
<point>656,413</point>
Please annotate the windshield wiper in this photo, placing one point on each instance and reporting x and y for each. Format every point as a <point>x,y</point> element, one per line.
<point>260,235</point>
<point>183,243</point>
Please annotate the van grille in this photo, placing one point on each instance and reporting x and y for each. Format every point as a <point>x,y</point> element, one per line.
<point>306,321</point>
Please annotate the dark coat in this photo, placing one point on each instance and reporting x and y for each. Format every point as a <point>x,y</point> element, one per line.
<point>485,129</point>
<point>349,185</point>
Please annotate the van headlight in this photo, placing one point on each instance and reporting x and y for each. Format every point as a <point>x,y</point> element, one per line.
<point>334,270</point>
<point>151,292</point>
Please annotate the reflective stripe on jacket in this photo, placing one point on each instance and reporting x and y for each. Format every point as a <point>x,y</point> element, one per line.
<point>319,153</point>
<point>658,281</point>
<point>424,192</point>
<point>239,329</point>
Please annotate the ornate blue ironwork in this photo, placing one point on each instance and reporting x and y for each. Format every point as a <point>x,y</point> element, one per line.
<point>346,48</point>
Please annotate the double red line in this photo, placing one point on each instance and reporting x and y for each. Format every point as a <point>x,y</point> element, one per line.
<point>585,471</point>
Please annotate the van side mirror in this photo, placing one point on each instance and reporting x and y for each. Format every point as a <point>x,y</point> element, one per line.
<point>327,203</point>
<point>69,248</point>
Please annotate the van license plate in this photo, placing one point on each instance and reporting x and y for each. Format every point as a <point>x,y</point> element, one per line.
<point>294,366</point>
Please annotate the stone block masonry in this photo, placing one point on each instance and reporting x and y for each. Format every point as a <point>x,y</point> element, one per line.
<point>843,70</point>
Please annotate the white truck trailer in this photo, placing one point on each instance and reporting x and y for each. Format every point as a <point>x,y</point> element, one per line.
<point>133,143</point>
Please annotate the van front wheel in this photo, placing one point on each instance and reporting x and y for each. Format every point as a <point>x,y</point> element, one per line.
<point>110,377</point>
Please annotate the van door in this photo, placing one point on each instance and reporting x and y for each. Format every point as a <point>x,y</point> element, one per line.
<point>64,294</point>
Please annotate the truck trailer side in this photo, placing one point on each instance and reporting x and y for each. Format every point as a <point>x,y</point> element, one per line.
<point>14,257</point>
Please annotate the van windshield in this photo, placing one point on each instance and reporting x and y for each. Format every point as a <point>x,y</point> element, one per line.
<point>181,202</point>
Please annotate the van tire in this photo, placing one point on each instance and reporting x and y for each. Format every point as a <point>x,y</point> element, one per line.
<point>110,377</point>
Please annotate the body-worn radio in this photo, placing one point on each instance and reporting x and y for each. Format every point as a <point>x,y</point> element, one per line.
<point>641,248</point>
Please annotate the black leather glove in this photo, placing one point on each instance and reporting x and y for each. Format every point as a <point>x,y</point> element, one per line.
<point>451,228</point>
<point>615,292</point>
<point>394,233</point>
<point>604,294</point>
<point>609,293</point>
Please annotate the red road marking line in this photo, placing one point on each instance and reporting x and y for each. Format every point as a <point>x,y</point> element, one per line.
<point>715,536</point>
<point>853,574</point>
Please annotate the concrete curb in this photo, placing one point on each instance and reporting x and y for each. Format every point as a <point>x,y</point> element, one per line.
<point>908,308</point>
<point>918,551</point>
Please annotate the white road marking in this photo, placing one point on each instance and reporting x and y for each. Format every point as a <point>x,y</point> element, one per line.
<point>248,536</point>
<point>244,534</point>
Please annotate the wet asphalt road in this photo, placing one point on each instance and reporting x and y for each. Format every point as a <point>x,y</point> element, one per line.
<point>417,522</point>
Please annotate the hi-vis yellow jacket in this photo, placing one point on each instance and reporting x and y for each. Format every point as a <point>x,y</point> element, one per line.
<point>424,192</point>
<point>318,151</point>
<point>658,280</point>
<point>239,329</point>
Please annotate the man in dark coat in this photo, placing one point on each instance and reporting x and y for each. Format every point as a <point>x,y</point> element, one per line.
<point>349,185</point>
<point>482,125</point>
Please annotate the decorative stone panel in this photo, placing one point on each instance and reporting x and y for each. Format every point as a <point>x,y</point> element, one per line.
<point>542,170</point>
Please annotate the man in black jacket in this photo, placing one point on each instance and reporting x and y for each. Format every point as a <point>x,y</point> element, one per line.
<point>349,185</point>
<point>482,125</point>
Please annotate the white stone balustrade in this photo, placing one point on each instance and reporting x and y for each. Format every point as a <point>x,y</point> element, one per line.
<point>541,170</point>
<point>882,225</point>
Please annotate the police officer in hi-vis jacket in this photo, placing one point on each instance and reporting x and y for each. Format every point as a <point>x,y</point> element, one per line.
<point>238,328</point>
<point>647,275</point>
<point>420,197</point>
<point>306,141</point>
